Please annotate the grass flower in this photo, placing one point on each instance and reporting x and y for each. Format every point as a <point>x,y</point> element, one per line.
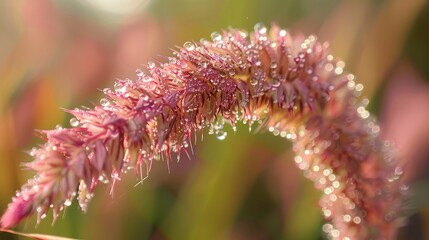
<point>288,85</point>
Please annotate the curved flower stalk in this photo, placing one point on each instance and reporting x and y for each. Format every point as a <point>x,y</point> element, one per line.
<point>290,86</point>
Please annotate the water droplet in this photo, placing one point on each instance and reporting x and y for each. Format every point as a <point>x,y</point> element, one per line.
<point>221,135</point>
<point>231,72</point>
<point>282,33</point>
<point>67,202</point>
<point>189,46</point>
<point>216,37</point>
<point>183,64</point>
<point>74,122</point>
<point>117,86</point>
<point>398,171</point>
<point>275,82</point>
<point>150,65</point>
<point>104,102</point>
<point>139,73</point>
<point>347,218</point>
<point>273,65</point>
<point>262,38</point>
<point>171,60</point>
<point>33,151</point>
<point>114,134</point>
<point>253,81</point>
<point>204,64</point>
<point>404,187</point>
<point>359,87</point>
<point>242,33</point>
<point>103,179</point>
<point>260,28</point>
<point>338,70</point>
<point>329,67</point>
<point>276,132</point>
<point>146,79</point>
<point>356,220</point>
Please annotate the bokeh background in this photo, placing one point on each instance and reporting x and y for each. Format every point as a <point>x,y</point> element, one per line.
<point>57,53</point>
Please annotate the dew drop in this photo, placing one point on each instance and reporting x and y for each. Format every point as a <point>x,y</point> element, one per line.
<point>151,65</point>
<point>117,86</point>
<point>231,72</point>
<point>221,135</point>
<point>216,37</point>
<point>253,81</point>
<point>74,122</point>
<point>282,33</point>
<point>189,46</point>
<point>114,134</point>
<point>172,60</point>
<point>338,70</point>
<point>359,87</point>
<point>67,203</point>
<point>33,152</point>
<point>146,79</point>
<point>183,64</point>
<point>203,41</point>
<point>347,218</point>
<point>275,82</point>
<point>260,28</point>
<point>404,187</point>
<point>356,220</point>
<point>104,102</point>
<point>242,33</point>
<point>398,171</point>
<point>139,73</point>
<point>204,64</point>
<point>276,132</point>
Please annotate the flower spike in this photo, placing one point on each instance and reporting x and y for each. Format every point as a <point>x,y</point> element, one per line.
<point>291,85</point>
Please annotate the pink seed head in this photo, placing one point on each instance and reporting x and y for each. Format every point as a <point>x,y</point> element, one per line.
<point>290,85</point>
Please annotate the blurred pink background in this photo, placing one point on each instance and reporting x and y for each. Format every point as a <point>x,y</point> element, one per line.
<point>56,54</point>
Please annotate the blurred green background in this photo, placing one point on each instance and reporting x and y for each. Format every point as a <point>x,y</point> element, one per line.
<point>57,53</point>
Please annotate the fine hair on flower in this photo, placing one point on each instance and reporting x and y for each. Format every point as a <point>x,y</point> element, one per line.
<point>289,85</point>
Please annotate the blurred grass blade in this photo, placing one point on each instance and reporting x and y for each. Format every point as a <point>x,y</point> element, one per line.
<point>418,197</point>
<point>36,235</point>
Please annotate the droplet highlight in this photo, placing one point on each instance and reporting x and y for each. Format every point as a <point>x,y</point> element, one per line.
<point>74,122</point>
<point>189,46</point>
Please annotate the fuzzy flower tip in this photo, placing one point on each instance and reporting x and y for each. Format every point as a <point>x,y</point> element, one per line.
<point>289,85</point>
